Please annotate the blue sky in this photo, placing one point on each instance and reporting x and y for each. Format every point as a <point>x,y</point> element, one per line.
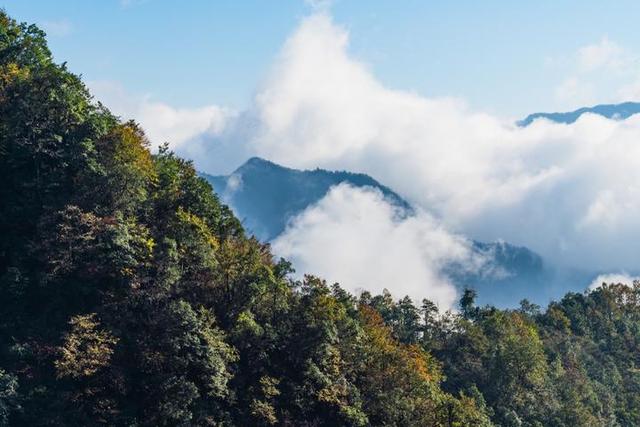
<point>502,57</point>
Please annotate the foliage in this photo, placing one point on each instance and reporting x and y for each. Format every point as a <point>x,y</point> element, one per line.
<point>86,348</point>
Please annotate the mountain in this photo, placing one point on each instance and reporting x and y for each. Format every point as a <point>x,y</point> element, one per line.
<point>513,273</point>
<point>610,111</point>
<point>265,196</point>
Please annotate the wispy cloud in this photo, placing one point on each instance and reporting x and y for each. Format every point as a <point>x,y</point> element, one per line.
<point>58,28</point>
<point>598,73</point>
<point>605,54</point>
<point>162,122</point>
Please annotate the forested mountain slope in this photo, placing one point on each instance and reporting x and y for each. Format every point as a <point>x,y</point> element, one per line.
<point>129,295</point>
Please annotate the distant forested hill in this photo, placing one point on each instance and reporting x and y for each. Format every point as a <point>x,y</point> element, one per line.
<point>131,296</point>
<point>611,111</point>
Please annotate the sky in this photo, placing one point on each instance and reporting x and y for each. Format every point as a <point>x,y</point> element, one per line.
<point>503,57</point>
<point>420,95</point>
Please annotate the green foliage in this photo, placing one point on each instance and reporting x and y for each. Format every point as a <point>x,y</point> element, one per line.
<point>8,396</point>
<point>181,363</point>
<point>129,295</point>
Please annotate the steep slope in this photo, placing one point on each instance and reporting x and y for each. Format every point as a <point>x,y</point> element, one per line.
<point>610,111</point>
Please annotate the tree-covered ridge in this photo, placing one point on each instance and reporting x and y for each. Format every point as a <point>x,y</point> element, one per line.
<point>129,295</point>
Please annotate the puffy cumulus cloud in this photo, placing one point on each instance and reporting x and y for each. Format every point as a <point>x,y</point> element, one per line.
<point>612,278</point>
<point>186,129</point>
<point>320,107</point>
<point>355,237</point>
<point>567,191</point>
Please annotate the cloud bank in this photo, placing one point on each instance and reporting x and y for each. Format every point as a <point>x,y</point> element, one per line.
<point>355,237</point>
<point>569,192</point>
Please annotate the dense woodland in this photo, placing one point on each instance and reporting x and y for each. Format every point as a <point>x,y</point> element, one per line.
<point>129,295</point>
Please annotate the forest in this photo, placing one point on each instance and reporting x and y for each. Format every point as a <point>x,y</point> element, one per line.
<point>131,296</point>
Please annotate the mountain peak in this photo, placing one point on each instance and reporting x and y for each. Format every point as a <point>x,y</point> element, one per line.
<point>271,194</point>
<point>257,162</point>
<point>259,165</point>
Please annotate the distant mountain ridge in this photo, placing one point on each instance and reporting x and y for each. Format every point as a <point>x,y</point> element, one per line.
<point>265,196</point>
<point>611,111</point>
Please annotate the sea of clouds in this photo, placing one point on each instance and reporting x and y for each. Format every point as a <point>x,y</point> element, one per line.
<point>569,192</point>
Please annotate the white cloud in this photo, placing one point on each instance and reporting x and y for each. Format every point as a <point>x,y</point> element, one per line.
<point>161,122</point>
<point>355,237</point>
<point>569,192</point>
<point>612,278</point>
<point>566,191</point>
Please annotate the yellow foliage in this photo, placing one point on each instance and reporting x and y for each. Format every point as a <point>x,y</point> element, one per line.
<point>198,225</point>
<point>264,411</point>
<point>394,355</point>
<point>131,148</point>
<point>11,72</point>
<point>269,386</point>
<point>86,348</point>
